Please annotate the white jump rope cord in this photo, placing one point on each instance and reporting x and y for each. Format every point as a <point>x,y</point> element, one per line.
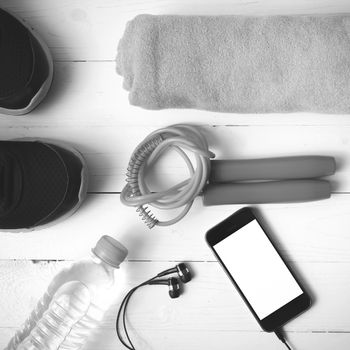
<point>179,138</point>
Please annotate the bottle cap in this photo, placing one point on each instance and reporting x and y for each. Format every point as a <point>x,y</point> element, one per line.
<point>110,251</point>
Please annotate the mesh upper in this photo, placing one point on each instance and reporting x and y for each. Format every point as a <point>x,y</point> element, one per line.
<point>44,183</point>
<point>16,55</point>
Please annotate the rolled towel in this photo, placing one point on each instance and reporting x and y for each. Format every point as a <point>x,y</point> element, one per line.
<point>237,63</point>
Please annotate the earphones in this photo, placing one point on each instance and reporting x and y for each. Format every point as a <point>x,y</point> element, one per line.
<point>174,286</point>
<point>173,283</point>
<point>181,269</point>
<point>183,274</point>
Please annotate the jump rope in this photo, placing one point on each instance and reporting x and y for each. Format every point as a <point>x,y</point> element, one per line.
<point>254,181</point>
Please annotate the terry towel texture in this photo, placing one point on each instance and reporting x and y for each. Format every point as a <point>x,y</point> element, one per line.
<point>237,63</point>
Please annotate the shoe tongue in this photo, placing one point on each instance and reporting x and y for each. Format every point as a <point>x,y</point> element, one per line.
<point>10,183</point>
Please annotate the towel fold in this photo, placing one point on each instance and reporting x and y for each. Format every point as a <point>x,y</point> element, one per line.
<point>237,63</point>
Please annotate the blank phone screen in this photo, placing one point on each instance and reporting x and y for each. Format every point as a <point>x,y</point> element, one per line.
<point>258,270</point>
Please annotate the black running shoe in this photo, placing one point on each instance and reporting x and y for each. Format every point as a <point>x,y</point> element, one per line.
<point>41,183</point>
<point>26,66</point>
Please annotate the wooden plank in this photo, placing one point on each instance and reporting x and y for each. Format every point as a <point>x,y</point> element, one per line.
<point>90,30</point>
<point>209,303</point>
<point>91,94</point>
<point>107,148</point>
<point>312,232</point>
<point>106,339</point>
<point>221,340</point>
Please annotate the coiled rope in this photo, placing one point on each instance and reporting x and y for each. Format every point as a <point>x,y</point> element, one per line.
<point>180,138</point>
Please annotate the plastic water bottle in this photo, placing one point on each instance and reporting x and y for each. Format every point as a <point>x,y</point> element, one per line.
<point>74,303</point>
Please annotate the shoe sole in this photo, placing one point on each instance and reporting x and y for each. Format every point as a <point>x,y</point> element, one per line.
<point>41,94</point>
<point>82,190</point>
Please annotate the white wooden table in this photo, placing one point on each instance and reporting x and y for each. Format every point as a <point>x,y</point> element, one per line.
<point>88,108</point>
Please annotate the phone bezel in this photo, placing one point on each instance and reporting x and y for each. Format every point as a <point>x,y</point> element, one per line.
<point>229,226</point>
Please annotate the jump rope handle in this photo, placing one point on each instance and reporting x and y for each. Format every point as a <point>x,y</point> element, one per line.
<point>286,168</point>
<point>266,192</point>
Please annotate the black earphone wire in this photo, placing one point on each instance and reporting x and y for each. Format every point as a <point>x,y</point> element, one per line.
<point>117,323</point>
<point>123,308</point>
<point>280,335</point>
<point>124,318</point>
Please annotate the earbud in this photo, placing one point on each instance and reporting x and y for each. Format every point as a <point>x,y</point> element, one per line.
<point>173,283</point>
<point>181,269</point>
<point>174,286</point>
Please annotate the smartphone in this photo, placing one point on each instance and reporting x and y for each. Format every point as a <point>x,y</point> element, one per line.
<point>264,280</point>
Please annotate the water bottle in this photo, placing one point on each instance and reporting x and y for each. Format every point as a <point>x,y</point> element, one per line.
<point>74,303</point>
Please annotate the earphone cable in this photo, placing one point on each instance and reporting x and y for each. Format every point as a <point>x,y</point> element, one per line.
<point>122,309</point>
<point>279,333</point>
<point>124,318</point>
<point>287,345</point>
<point>128,346</point>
